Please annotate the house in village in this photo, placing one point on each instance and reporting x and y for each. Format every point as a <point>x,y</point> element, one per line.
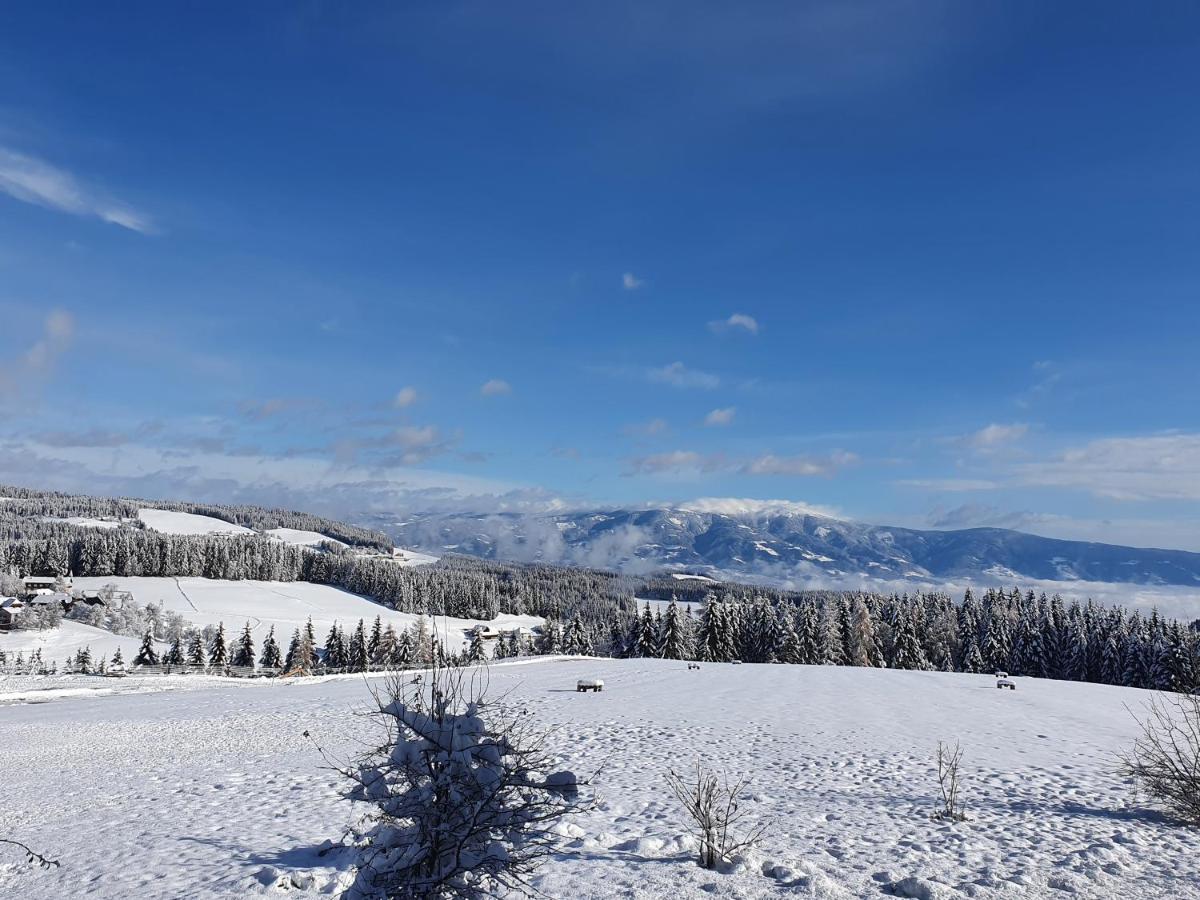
<point>45,584</point>
<point>10,610</point>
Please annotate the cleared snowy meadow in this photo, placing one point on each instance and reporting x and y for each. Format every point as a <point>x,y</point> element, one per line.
<point>214,790</point>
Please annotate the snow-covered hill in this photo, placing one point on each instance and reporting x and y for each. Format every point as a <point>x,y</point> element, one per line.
<point>171,522</point>
<point>779,542</point>
<point>222,792</point>
<point>285,606</point>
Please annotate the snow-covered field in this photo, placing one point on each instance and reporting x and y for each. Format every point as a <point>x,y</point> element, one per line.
<point>284,605</point>
<point>218,793</point>
<point>171,522</point>
<point>62,643</point>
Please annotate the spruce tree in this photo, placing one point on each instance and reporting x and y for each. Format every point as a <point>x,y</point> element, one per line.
<point>647,642</point>
<point>293,646</point>
<point>356,653</point>
<point>147,655</point>
<point>270,658</point>
<point>676,642</point>
<point>196,655</point>
<point>118,661</point>
<point>335,653</point>
<point>218,653</point>
<point>374,641</point>
<point>243,655</point>
<point>578,641</point>
<point>174,656</point>
<point>476,648</point>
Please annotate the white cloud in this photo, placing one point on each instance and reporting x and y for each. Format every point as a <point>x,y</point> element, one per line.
<point>495,388</point>
<point>950,484</point>
<point>693,463</point>
<point>631,282</point>
<point>34,181</point>
<point>996,435</point>
<point>678,375</point>
<point>1155,467</point>
<point>405,397</point>
<point>647,429</point>
<point>770,464</point>
<point>720,418</point>
<point>39,360</point>
<point>675,462</point>
<point>737,321</point>
<point>749,508</point>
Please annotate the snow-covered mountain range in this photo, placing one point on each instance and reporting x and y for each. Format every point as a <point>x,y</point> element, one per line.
<point>784,541</point>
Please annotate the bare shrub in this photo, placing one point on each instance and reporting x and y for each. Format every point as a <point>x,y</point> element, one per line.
<point>712,807</point>
<point>463,793</point>
<point>948,760</point>
<point>1165,759</point>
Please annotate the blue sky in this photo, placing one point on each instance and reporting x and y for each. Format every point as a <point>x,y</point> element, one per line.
<point>917,263</point>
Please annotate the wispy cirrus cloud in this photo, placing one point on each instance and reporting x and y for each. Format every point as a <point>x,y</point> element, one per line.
<point>35,181</point>
<point>770,464</point>
<point>678,375</point>
<point>736,322</point>
<point>950,484</point>
<point>631,282</point>
<point>691,463</point>
<point>996,435</point>
<point>1143,468</point>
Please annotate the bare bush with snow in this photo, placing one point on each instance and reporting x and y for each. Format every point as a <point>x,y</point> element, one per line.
<point>1165,759</point>
<point>465,802</point>
<point>714,814</point>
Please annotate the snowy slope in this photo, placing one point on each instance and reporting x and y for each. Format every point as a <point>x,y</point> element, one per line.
<point>299,537</point>
<point>219,793</point>
<point>170,522</point>
<point>284,605</point>
<point>63,642</point>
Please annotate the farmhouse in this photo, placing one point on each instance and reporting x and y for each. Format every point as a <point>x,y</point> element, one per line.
<point>44,584</point>
<point>10,609</point>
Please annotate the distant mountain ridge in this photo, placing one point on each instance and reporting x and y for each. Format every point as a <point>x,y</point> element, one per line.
<point>780,541</point>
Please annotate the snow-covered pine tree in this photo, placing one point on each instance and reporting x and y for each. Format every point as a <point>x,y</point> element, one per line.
<point>830,650</point>
<point>147,655</point>
<point>218,653</point>
<point>174,656</point>
<point>293,646</point>
<point>676,642</point>
<point>387,647</point>
<point>335,652</point>
<point>907,652</point>
<point>476,648</point>
<point>356,653</point>
<point>808,637</point>
<point>647,641</point>
<point>402,654</point>
<point>716,636</point>
<point>243,654</point>
<point>577,639</point>
<point>864,649</point>
<point>271,658</point>
<point>118,661</point>
<point>196,655</point>
<point>789,640</point>
<point>375,640</point>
